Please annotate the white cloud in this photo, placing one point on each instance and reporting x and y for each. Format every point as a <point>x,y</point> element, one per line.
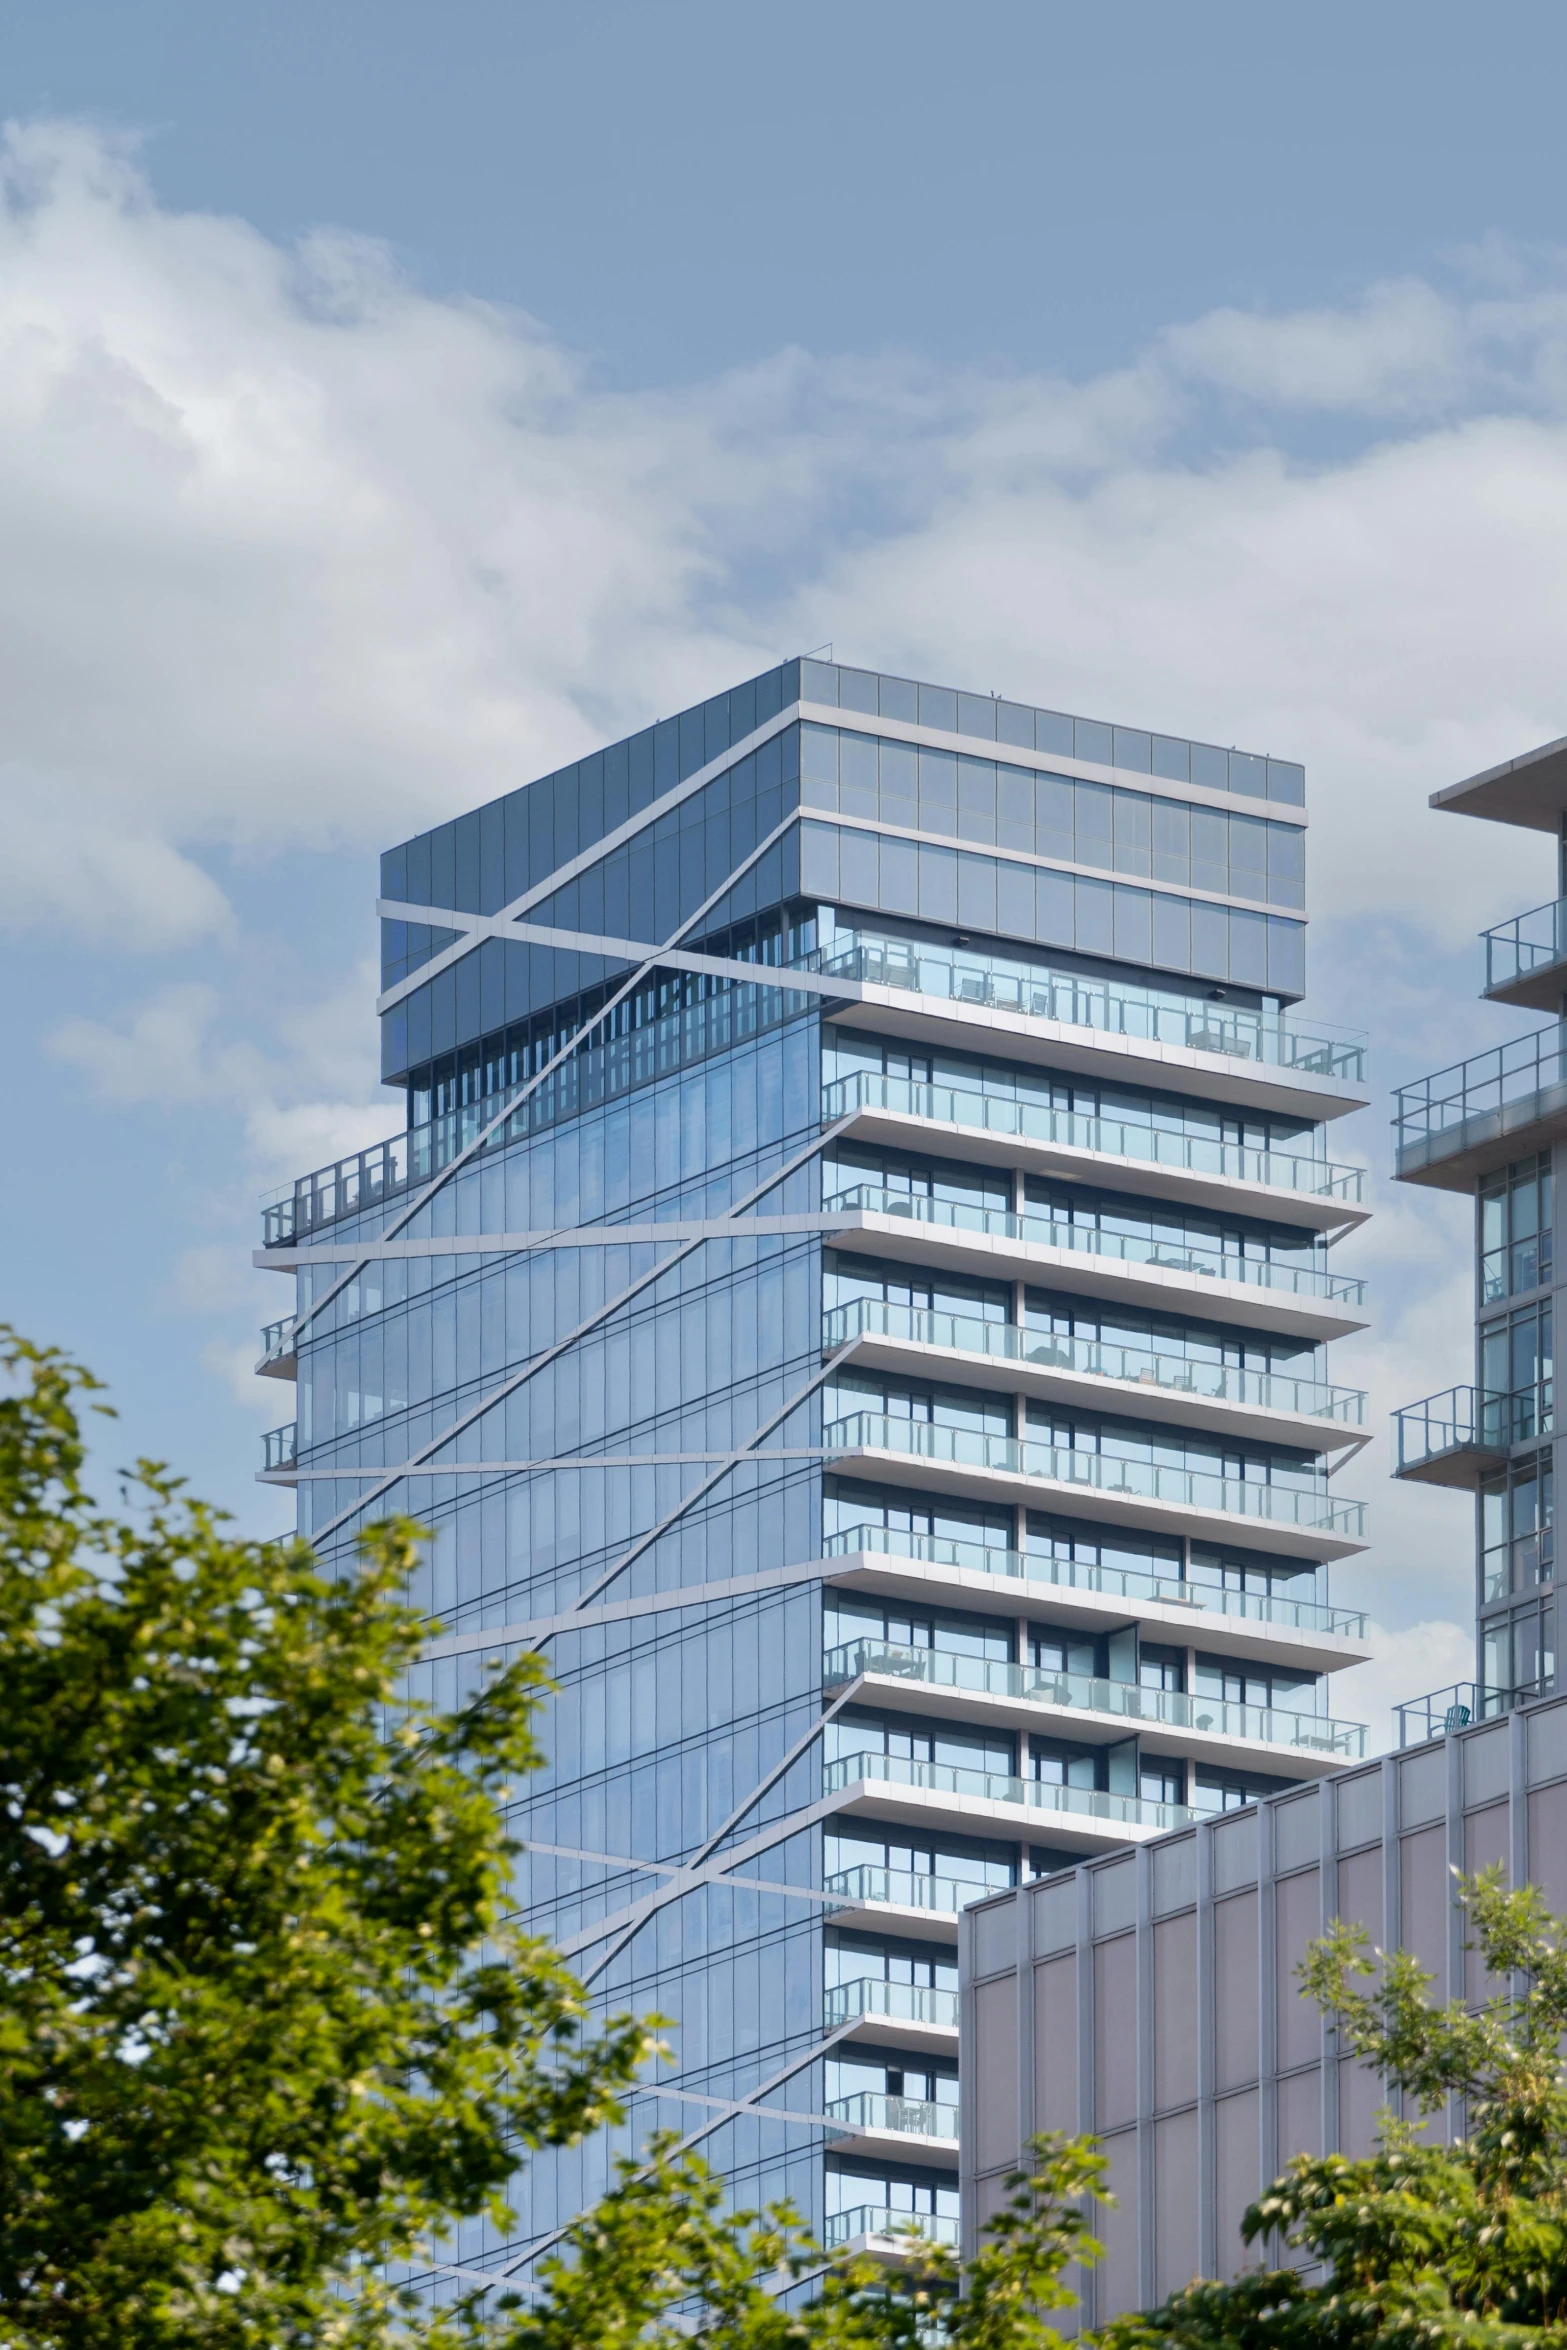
<point>1413,1662</point>
<point>293,555</point>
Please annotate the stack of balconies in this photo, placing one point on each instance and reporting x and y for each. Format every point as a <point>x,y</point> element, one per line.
<point>1100,1677</point>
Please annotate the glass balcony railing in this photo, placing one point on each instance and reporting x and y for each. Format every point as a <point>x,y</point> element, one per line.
<point>1454,1708</point>
<point>906,1889</point>
<point>1259,1607</point>
<point>1123,1138</point>
<point>277,1340</point>
<point>1151,1015</point>
<point>869,1317</point>
<point>879,2219</point>
<point>1440,1107</point>
<point>899,2003</point>
<point>1462,1419</point>
<point>1089,1803</point>
<point>1172,1255</point>
<point>911,2117</point>
<point>1530,942</point>
<point>1082,1692</point>
<point>280,1447</point>
<point>1312,1508</point>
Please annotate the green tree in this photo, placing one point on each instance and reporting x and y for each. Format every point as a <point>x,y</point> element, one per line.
<point>264,2024</point>
<point>266,2027</point>
<point>1420,2243</point>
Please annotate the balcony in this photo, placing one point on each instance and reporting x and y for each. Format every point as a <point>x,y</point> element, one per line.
<point>1501,1105</point>
<point>1195,1166</point>
<point>1454,1437</point>
<point>1148,1015</point>
<point>1116,1702</point>
<point>1306,1521</point>
<point>280,1447</point>
<point>1454,1708</point>
<point>870,2116</point>
<point>1526,959</point>
<point>279,1354</point>
<point>929,1904</point>
<point>1302,1297</point>
<point>920,2011</point>
<point>1085,1814</point>
<point>877,2222</point>
<point>1167,1386</point>
<point>1124,1583</point>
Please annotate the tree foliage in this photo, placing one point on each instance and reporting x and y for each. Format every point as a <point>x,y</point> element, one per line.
<point>264,2023</point>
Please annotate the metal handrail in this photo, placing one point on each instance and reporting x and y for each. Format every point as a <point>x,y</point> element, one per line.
<point>1487,1419</point>
<point>904,2003</point>
<point>879,2219</point>
<point>1087,1692</point>
<point>906,1889</point>
<point>917,2117</point>
<point>1528,943</point>
<point>1175,1254</point>
<point>1095,1803</point>
<point>277,1339</point>
<point>280,1446</point>
<point>1317,1510</point>
<point>1259,1607</point>
<point>1454,1708</point>
<point>1208,1382</point>
<point>1150,1015</point>
<point>1481,1087</point>
<point>1196,1153</point>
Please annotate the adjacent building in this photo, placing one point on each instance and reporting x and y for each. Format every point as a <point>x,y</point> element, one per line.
<point>1492,1129</point>
<point>855,1288</point>
<point>1153,1999</point>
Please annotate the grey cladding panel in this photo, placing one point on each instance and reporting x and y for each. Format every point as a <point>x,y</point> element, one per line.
<point>1360,1892</point>
<point>1547,1744</point>
<point>1174,1874</point>
<point>1425,1888</point>
<point>1176,2175</point>
<point>995,1937</point>
<point>1486,1756</point>
<point>1235,1853</point>
<point>1297,1830</point>
<point>1115,2032</point>
<point>1115,1895</point>
<point>1359,1808</point>
<point>996,2073</point>
<point>1235,1990</point>
<point>1422,1787</point>
<point>1239,2175</point>
<point>1300,2115</point>
<point>1175,2011</point>
<point>1298,1915</point>
<point>1055,2043</point>
<point>1548,1843</point>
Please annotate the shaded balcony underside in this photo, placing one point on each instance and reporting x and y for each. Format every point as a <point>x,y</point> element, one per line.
<point>1223,1193</point>
<point>1184,1623</point>
<point>1455,1158</point>
<point>1308,1753</point>
<point>942,1025</point>
<point>960,1814</point>
<point>1161,1289</point>
<point>1138,1398</point>
<point>908,1470</point>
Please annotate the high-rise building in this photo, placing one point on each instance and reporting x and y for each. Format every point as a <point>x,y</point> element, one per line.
<point>853,1288</point>
<point>1491,1129</point>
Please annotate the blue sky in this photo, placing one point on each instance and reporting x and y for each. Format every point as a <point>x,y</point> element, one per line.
<point>395,401</point>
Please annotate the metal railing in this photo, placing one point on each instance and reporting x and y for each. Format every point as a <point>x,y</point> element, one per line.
<point>1172,1255</point>
<point>901,2003</point>
<point>1530,942</point>
<point>280,1447</point>
<point>1208,1382</point>
<point>1444,1104</point>
<point>1315,1509</point>
<point>1191,1154</point>
<point>906,1889</point>
<point>1092,1803</point>
<point>277,1340</point>
<point>1454,1708</point>
<point>879,2219</point>
<point>1083,1692</point>
<point>1485,1419</point>
<point>1150,1015</point>
<point>914,2117</point>
<point>1258,1607</point>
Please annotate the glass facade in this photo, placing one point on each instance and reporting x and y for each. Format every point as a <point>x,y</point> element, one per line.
<point>1491,1130</point>
<point>852,1288</point>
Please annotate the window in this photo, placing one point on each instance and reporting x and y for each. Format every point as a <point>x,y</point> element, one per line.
<point>1516,1375</point>
<point>1518,1651</point>
<point>1238,1681</point>
<point>1517,1527</point>
<point>1161,1781</point>
<point>1515,1228</point>
<point>1161,1668</point>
